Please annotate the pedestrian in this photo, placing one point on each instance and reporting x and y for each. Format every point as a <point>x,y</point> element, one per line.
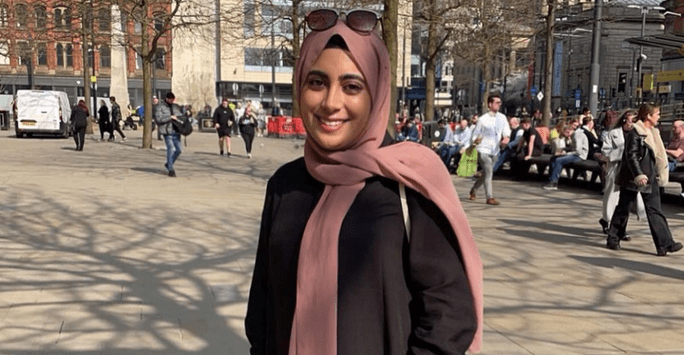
<point>490,132</point>
<point>337,270</point>
<point>105,124</point>
<point>79,118</point>
<point>644,169</point>
<point>223,120</point>
<point>613,148</point>
<point>116,119</point>
<point>247,124</point>
<point>239,112</point>
<point>261,122</point>
<point>166,112</point>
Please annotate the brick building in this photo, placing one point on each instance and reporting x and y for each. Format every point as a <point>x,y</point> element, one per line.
<point>45,37</point>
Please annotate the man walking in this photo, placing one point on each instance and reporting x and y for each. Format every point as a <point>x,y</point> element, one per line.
<point>490,132</point>
<point>224,119</point>
<point>116,118</point>
<point>167,112</point>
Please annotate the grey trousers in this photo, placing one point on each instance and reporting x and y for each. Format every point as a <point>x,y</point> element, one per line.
<point>487,164</point>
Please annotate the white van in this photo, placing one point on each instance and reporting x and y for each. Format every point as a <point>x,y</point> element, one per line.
<point>44,112</point>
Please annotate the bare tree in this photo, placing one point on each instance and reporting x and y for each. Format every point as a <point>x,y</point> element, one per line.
<point>157,19</point>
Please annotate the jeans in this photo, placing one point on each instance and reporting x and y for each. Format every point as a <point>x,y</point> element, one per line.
<point>447,152</point>
<point>503,157</point>
<point>486,162</point>
<point>79,136</point>
<point>558,163</point>
<point>173,149</point>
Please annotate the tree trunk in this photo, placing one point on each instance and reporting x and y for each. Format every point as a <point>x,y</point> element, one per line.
<point>487,78</point>
<point>430,68</point>
<point>296,45</point>
<point>389,22</point>
<point>548,70</point>
<point>147,84</point>
<point>84,67</point>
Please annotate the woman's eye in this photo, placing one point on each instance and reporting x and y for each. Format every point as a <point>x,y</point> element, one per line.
<point>315,82</point>
<point>353,88</point>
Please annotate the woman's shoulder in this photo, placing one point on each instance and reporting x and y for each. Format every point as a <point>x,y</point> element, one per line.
<point>292,175</point>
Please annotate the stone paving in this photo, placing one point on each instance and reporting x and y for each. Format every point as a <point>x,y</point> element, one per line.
<point>102,253</point>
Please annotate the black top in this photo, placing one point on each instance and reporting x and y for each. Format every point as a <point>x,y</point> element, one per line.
<point>104,114</point>
<point>538,147</point>
<point>224,116</point>
<point>394,296</point>
<point>79,117</point>
<point>637,159</point>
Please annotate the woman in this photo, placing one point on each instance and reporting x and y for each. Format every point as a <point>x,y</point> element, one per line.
<point>335,272</point>
<point>247,123</point>
<point>644,170</point>
<point>105,125</point>
<point>79,118</point>
<point>613,148</point>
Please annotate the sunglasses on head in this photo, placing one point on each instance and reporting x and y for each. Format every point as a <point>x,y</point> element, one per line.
<point>362,21</point>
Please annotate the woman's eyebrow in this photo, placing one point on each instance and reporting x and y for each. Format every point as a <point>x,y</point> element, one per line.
<point>318,72</point>
<point>352,76</point>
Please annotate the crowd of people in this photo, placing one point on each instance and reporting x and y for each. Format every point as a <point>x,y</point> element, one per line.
<point>632,159</point>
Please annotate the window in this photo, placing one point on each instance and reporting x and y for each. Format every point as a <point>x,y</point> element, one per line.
<point>159,22</point>
<point>138,58</point>
<point>250,17</point>
<point>105,57</point>
<point>622,82</point>
<point>3,15</point>
<point>60,55</point>
<point>69,56</point>
<point>62,18</point>
<point>138,27</point>
<point>4,53</point>
<point>41,17</point>
<point>22,15</point>
<point>42,54</point>
<point>105,20</point>
<point>23,52</point>
<point>64,55</point>
<point>160,59</point>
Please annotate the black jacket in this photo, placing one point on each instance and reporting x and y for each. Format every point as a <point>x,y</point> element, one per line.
<point>103,112</point>
<point>394,296</point>
<point>224,116</point>
<point>595,143</point>
<point>79,117</point>
<point>637,159</point>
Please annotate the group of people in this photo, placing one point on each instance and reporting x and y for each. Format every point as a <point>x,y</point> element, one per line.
<point>246,122</point>
<point>107,122</point>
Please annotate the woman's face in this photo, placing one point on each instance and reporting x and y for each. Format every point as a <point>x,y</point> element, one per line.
<point>629,122</point>
<point>336,101</point>
<point>653,117</point>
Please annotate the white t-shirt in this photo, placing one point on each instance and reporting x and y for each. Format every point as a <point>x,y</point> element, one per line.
<point>492,128</point>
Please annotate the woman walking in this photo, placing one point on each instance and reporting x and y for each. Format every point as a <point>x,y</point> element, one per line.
<point>364,247</point>
<point>105,124</point>
<point>613,147</point>
<point>79,118</point>
<point>644,170</point>
<point>247,124</point>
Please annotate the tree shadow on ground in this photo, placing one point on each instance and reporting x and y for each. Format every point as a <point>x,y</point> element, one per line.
<point>113,279</point>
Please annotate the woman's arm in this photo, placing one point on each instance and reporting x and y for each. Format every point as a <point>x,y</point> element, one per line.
<point>442,313</point>
<point>256,326</point>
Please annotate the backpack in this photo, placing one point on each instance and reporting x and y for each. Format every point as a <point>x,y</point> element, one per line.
<point>182,126</point>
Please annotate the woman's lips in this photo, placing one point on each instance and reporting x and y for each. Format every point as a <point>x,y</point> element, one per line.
<point>330,125</point>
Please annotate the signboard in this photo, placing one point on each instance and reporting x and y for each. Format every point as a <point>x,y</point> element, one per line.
<point>648,82</point>
<point>93,79</point>
<point>540,96</point>
<point>578,93</point>
<point>670,75</point>
<point>577,103</point>
<point>534,90</point>
<point>235,89</point>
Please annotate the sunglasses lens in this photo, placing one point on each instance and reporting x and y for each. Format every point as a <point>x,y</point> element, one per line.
<point>362,21</point>
<point>320,20</point>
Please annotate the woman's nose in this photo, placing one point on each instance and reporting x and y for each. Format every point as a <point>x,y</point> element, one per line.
<point>334,99</point>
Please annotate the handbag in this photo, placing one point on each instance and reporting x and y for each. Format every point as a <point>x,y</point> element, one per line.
<point>467,166</point>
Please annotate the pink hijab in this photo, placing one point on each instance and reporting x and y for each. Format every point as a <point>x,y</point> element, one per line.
<point>314,327</point>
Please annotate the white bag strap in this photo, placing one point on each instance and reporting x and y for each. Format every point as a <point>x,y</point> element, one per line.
<point>405,210</point>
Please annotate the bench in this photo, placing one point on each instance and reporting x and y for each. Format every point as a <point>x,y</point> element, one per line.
<point>584,166</point>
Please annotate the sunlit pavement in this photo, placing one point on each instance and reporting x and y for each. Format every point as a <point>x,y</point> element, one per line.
<point>102,253</point>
